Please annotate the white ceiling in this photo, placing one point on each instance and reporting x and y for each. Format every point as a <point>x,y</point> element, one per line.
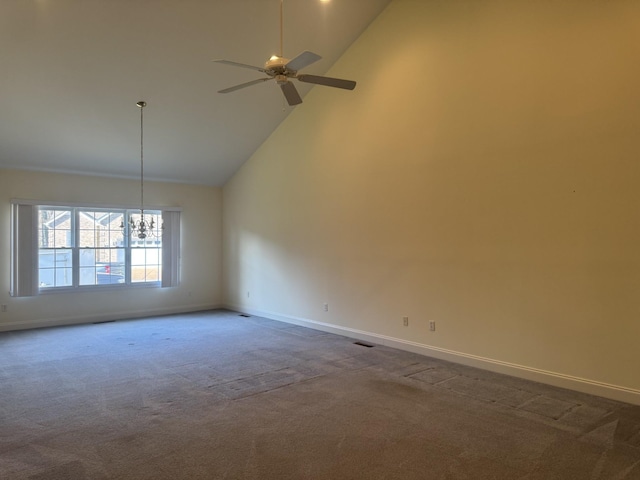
<point>71,72</point>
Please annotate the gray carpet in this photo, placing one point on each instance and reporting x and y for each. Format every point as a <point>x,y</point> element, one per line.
<point>217,396</point>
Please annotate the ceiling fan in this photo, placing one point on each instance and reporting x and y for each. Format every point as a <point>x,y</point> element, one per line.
<point>283,70</point>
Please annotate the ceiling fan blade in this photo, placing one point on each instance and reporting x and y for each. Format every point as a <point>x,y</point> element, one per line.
<point>242,65</point>
<point>291,93</point>
<point>304,59</point>
<point>327,81</point>
<point>245,85</point>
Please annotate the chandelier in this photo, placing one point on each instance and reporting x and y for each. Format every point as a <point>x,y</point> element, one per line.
<point>142,228</point>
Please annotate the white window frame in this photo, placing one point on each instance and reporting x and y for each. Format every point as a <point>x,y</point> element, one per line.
<point>24,249</point>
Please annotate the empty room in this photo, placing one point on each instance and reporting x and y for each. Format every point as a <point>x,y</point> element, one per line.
<point>312,239</point>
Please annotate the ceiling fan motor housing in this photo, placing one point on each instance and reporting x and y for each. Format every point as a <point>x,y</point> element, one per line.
<point>276,65</point>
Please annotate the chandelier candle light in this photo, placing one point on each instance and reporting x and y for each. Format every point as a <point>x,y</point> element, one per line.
<point>143,228</point>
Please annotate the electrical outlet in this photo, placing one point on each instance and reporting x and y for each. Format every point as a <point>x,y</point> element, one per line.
<point>326,307</point>
<point>432,326</point>
<point>3,308</point>
<point>405,321</point>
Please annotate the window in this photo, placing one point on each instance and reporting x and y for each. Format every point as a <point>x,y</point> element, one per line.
<point>61,248</point>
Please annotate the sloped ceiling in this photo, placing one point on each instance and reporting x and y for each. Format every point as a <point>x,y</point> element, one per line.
<point>71,72</point>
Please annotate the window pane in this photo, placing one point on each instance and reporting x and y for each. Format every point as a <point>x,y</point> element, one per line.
<point>46,268</point>
<point>54,228</point>
<point>64,277</point>
<point>145,264</point>
<point>110,266</point>
<point>55,267</point>
<point>100,229</point>
<point>101,266</point>
<point>146,252</point>
<point>87,229</point>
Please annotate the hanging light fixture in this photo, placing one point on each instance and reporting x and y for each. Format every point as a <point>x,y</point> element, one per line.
<point>143,228</point>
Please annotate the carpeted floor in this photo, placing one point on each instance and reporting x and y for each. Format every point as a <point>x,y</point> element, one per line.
<point>214,395</point>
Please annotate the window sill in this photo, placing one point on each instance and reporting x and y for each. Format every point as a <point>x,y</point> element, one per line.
<point>97,288</point>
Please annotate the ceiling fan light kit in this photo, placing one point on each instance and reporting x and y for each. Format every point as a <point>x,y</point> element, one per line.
<point>282,70</point>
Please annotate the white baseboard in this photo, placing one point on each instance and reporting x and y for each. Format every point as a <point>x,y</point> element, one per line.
<point>592,387</point>
<point>103,317</point>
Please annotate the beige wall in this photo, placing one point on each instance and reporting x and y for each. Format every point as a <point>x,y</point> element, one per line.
<point>484,175</point>
<point>200,286</point>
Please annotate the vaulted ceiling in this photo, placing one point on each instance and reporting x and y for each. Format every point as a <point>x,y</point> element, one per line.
<point>71,72</point>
